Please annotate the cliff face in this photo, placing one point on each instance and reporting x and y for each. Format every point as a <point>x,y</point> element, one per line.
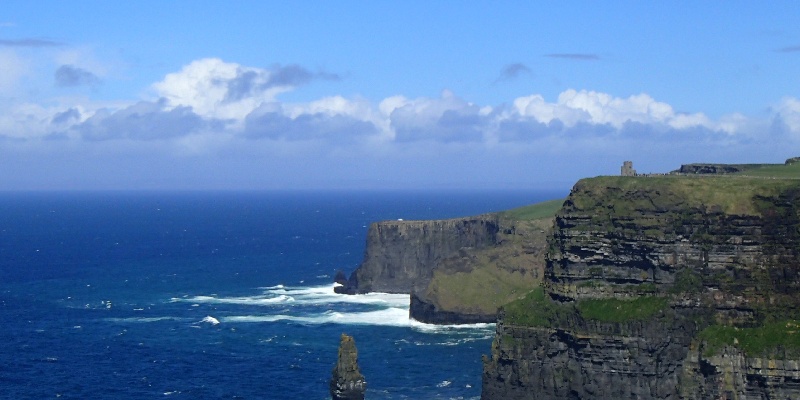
<point>459,270</point>
<point>588,360</point>
<point>401,255</point>
<point>660,288</point>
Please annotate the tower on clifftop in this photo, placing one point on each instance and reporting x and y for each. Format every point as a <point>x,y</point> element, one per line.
<point>627,169</point>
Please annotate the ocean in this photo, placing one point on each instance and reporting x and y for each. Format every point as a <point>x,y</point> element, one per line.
<point>218,295</point>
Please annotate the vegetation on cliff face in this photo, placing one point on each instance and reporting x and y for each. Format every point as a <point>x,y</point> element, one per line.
<point>616,310</point>
<point>479,281</point>
<point>536,309</point>
<point>691,278</point>
<point>772,340</point>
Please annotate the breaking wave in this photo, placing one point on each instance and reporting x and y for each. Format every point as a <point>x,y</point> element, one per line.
<point>302,295</point>
<point>316,305</point>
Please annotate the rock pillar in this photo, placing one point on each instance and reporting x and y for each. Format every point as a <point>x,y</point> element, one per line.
<point>347,383</point>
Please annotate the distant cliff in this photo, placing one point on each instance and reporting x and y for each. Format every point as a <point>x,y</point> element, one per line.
<point>660,288</point>
<point>457,270</point>
<point>401,255</point>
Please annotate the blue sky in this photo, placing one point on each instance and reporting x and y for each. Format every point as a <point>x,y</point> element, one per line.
<point>388,95</point>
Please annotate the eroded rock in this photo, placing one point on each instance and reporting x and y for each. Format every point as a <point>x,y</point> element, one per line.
<point>347,383</point>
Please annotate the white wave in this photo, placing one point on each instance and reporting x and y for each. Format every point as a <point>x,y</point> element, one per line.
<point>272,287</point>
<point>211,320</point>
<point>454,342</point>
<point>392,308</point>
<point>303,295</point>
<point>392,316</point>
<point>433,328</point>
<point>251,300</point>
<point>144,319</point>
<point>444,384</point>
<point>386,317</point>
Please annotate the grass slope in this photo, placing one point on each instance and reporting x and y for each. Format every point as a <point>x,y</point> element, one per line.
<point>731,194</point>
<point>482,280</point>
<point>774,171</point>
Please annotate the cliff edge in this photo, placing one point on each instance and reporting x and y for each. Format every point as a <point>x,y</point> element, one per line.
<point>457,270</point>
<point>660,288</point>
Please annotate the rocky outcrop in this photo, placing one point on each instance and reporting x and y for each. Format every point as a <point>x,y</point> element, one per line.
<point>730,374</point>
<point>713,169</point>
<point>347,383</point>
<point>588,360</point>
<point>645,279</point>
<point>401,256</point>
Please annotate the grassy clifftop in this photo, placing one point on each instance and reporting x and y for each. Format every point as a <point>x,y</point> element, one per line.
<point>733,194</point>
<point>479,281</point>
<point>627,247</point>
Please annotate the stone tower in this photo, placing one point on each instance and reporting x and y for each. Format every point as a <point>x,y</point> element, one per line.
<point>627,169</point>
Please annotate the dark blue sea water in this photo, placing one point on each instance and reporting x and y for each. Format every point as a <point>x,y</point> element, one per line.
<point>117,295</point>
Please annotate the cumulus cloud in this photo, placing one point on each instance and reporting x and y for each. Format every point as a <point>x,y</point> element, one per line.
<point>597,108</point>
<point>574,56</point>
<point>513,71</point>
<point>448,119</point>
<point>141,121</point>
<point>70,75</point>
<point>787,116</point>
<point>211,102</point>
<point>334,128</point>
<point>223,90</point>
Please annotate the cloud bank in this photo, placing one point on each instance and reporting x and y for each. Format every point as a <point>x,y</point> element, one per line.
<point>215,110</point>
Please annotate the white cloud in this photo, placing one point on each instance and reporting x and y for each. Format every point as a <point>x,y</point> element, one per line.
<point>217,89</point>
<point>788,110</point>
<point>210,102</point>
<point>574,107</point>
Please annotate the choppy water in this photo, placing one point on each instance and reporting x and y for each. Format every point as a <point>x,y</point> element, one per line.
<point>217,295</point>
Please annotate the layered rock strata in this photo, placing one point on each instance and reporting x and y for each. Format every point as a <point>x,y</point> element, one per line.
<point>347,383</point>
<point>645,278</point>
<point>400,256</point>
<point>457,270</point>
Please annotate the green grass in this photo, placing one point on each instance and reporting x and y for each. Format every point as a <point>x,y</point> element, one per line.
<point>774,171</point>
<point>483,289</point>
<point>546,209</point>
<point>771,339</point>
<point>535,309</point>
<point>615,310</point>
<point>727,193</point>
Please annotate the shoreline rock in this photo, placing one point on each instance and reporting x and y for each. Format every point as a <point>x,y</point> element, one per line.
<point>347,382</point>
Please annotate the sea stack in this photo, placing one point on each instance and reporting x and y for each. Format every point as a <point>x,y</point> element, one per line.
<point>347,383</point>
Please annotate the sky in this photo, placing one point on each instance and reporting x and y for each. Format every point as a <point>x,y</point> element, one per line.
<point>304,95</point>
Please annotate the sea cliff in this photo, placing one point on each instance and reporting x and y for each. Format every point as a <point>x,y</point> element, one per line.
<point>660,288</point>
<point>457,270</point>
<point>400,256</point>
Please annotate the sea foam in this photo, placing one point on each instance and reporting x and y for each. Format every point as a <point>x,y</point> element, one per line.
<point>315,305</point>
